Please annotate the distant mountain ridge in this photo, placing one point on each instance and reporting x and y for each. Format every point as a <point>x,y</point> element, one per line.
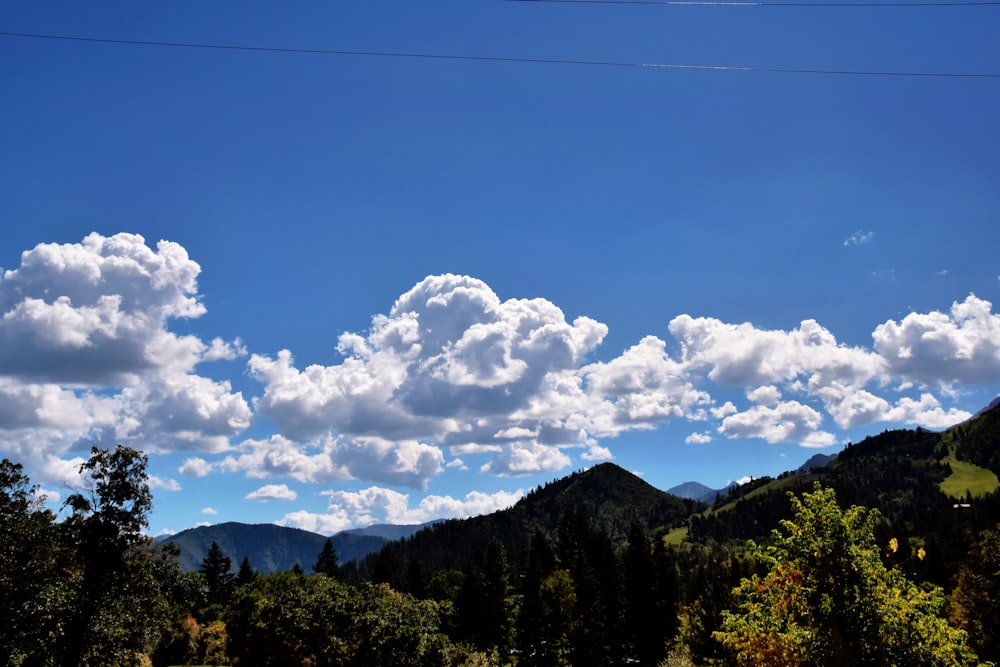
<point>881,471</point>
<point>697,491</point>
<point>269,547</point>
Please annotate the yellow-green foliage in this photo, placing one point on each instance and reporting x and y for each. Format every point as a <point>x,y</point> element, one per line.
<point>828,599</point>
<point>968,478</point>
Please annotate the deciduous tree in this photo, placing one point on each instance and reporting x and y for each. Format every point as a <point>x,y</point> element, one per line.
<point>829,600</point>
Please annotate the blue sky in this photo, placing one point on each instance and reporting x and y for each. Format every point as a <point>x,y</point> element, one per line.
<point>332,290</point>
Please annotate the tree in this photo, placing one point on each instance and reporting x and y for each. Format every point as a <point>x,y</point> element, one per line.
<point>828,599</point>
<point>559,619</point>
<point>643,622</point>
<point>327,562</point>
<point>118,610</point>
<point>246,573</point>
<point>31,585</point>
<point>219,580</point>
<point>541,561</point>
<point>974,602</point>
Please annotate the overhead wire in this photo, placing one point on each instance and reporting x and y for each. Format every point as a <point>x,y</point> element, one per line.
<point>497,59</point>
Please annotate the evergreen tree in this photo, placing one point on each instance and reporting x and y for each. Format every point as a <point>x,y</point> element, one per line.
<point>496,601</point>
<point>471,612</point>
<point>642,617</point>
<point>217,569</point>
<point>540,562</point>
<point>246,573</point>
<point>327,562</point>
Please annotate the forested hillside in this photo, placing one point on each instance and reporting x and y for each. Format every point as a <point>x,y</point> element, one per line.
<point>888,554</point>
<point>268,547</point>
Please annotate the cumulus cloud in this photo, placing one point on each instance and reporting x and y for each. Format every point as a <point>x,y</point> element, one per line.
<point>451,365</point>
<point>156,482</point>
<point>90,312</point>
<point>272,492</point>
<point>766,395</point>
<point>195,467</point>
<point>209,510</point>
<point>86,355</point>
<point>790,421</point>
<point>926,411</point>
<point>938,348</point>
<point>349,509</point>
<point>698,439</point>
<point>402,462</point>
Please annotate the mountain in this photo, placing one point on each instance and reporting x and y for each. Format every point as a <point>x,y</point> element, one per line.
<point>816,461</point>
<point>270,548</point>
<point>697,491</point>
<point>607,496</point>
<point>935,488</point>
<point>390,531</point>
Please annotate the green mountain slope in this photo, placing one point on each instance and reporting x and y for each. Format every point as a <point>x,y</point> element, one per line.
<point>270,548</point>
<point>610,497</point>
<point>936,488</point>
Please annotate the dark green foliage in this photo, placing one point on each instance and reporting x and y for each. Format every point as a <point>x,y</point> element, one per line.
<point>540,562</point>
<point>327,562</point>
<point>30,568</point>
<point>246,573</point>
<point>287,619</point>
<point>975,602</point>
<point>610,497</point>
<point>217,568</point>
<point>643,610</point>
<point>976,440</point>
<point>111,569</point>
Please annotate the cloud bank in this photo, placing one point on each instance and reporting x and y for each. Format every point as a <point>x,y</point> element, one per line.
<point>513,387</point>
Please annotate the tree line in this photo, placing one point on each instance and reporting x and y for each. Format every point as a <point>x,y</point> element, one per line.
<point>828,586</point>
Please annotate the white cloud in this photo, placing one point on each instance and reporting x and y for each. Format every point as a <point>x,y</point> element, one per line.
<point>698,439</point>
<point>90,312</point>
<point>926,412</point>
<point>209,510</point>
<point>348,509</point>
<point>165,484</point>
<point>742,355</point>
<point>272,492</point>
<point>859,237</point>
<point>787,422</point>
<point>597,453</point>
<point>195,467</point>
<point>403,462</point>
<point>852,406</point>
<point>526,458</point>
<point>940,348</point>
<point>450,365</point>
<point>86,356</point>
<point>766,395</point>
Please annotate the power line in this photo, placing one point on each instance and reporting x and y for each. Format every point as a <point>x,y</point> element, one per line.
<point>766,3</point>
<point>499,59</point>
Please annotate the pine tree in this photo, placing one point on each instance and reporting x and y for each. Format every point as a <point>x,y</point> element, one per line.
<point>219,580</point>
<point>327,562</point>
<point>246,573</point>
